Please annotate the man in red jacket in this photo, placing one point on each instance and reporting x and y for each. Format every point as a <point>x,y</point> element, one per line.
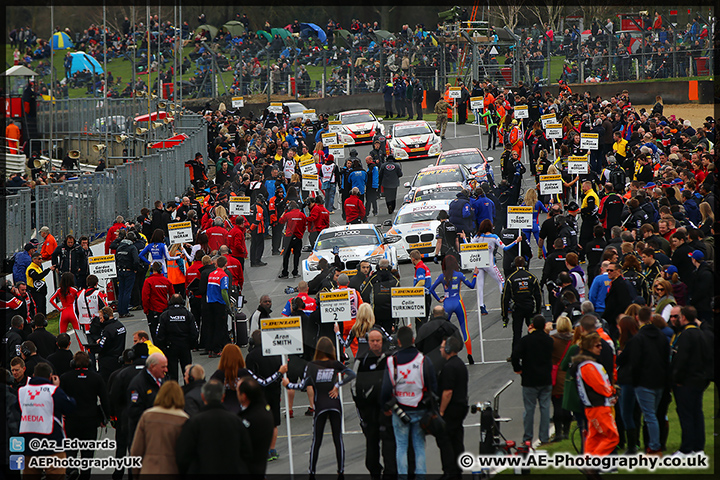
<point>217,235</point>
<point>318,220</point>
<point>354,207</point>
<point>233,268</point>
<point>295,221</point>
<point>156,293</point>
<point>112,233</point>
<point>236,239</point>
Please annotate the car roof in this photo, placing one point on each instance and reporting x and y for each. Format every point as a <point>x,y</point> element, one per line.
<point>439,185</point>
<point>460,151</point>
<point>452,166</point>
<point>411,124</point>
<point>365,110</point>
<point>340,228</point>
<point>425,205</point>
<point>293,103</point>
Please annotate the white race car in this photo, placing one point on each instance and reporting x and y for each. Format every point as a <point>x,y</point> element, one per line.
<point>358,127</point>
<point>416,224</point>
<point>437,191</point>
<point>474,159</point>
<point>355,243</point>
<point>413,140</point>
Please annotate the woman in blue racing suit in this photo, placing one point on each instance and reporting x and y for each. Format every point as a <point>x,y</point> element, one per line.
<point>485,235</point>
<point>158,251</point>
<point>451,279</point>
<point>531,200</point>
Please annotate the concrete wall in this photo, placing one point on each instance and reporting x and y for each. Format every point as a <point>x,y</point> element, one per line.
<point>645,92</point>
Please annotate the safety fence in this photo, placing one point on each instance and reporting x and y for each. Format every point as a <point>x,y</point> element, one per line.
<point>88,204</point>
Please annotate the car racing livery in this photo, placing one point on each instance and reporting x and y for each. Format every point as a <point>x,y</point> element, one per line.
<point>354,243</point>
<point>416,224</point>
<point>438,191</point>
<point>442,174</point>
<point>473,159</point>
<point>414,140</point>
<point>358,127</point>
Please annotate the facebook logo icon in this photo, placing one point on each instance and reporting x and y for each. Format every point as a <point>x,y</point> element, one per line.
<point>17,462</point>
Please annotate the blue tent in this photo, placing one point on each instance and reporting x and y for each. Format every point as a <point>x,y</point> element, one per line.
<point>61,41</point>
<point>82,61</point>
<point>310,29</point>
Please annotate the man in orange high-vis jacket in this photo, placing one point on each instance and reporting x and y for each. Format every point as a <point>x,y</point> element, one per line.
<point>598,397</point>
<point>446,97</point>
<point>257,231</point>
<point>12,134</point>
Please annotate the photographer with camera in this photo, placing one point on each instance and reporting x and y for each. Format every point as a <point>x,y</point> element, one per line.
<point>407,385</point>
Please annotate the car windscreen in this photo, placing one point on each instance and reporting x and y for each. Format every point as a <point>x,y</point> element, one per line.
<point>295,107</point>
<point>411,130</point>
<point>346,238</point>
<point>351,118</point>
<point>470,158</point>
<point>429,177</point>
<point>440,193</point>
<point>409,216</point>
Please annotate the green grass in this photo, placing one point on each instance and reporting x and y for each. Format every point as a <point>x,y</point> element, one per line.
<point>673,442</point>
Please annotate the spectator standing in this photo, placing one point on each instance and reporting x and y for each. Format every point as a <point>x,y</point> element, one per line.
<point>113,233</point>
<point>49,244</point>
<point>453,388</point>
<point>61,358</point>
<point>620,295</point>
<point>194,378</point>
<point>37,285</point>
<point>81,266</point>
<point>258,421</point>
<point>23,260</point>
<point>390,173</point>
<point>45,341</point>
<point>143,389</point>
<point>701,288</point>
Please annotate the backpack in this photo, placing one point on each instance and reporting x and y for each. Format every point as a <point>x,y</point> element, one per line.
<point>617,178</point>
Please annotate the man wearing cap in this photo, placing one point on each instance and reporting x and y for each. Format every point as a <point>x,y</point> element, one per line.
<point>701,287</point>
<point>49,244</point>
<point>35,279</point>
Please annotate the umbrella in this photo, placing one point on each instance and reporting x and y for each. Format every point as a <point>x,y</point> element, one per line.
<point>264,34</point>
<point>82,61</point>
<point>235,28</point>
<point>286,52</point>
<point>280,31</point>
<point>432,333</point>
<point>310,29</point>
<point>213,30</point>
<point>382,35</point>
<point>344,37</point>
<point>61,41</point>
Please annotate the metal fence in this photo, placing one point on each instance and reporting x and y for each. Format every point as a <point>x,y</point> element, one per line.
<point>89,204</point>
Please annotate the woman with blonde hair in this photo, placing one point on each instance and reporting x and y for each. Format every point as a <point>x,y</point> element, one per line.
<point>531,200</point>
<point>176,268</point>
<point>158,430</point>
<point>364,322</point>
<point>708,218</point>
<point>664,299</point>
<point>562,340</point>
<point>231,367</point>
<point>221,212</point>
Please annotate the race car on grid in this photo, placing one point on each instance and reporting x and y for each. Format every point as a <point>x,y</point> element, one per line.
<point>438,191</point>
<point>358,127</point>
<point>413,140</point>
<point>416,224</point>
<point>438,174</point>
<point>354,243</point>
<point>473,159</point>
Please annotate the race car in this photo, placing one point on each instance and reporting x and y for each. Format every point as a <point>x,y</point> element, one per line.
<point>414,140</point>
<point>358,127</point>
<point>438,174</point>
<point>473,159</point>
<point>354,243</point>
<point>416,224</point>
<point>438,191</point>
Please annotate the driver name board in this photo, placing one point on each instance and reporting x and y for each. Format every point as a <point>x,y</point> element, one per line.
<point>521,111</point>
<point>475,255</point>
<point>308,167</point>
<point>591,141</point>
<point>551,184</point>
<point>338,151</point>
<point>309,111</point>
<point>577,165</point>
<point>553,130</point>
<point>275,107</point>
<point>239,205</point>
<point>238,102</point>
<point>548,118</point>
<point>455,92</point>
<point>310,183</point>
<point>334,126</point>
<point>407,302</point>
<point>477,103</point>
<point>519,217</point>
<point>103,266</point>
<point>335,307</point>
<point>281,336</point>
<point>180,232</point>
<point>329,138</point>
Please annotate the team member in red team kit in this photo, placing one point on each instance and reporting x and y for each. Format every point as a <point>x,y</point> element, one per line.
<point>233,268</point>
<point>354,207</point>
<point>218,302</point>
<point>295,221</point>
<point>156,294</point>
<point>217,234</point>
<point>236,237</point>
<point>318,220</point>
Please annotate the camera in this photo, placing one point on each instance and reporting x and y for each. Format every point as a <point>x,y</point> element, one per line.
<point>290,290</point>
<point>551,286</point>
<point>397,410</point>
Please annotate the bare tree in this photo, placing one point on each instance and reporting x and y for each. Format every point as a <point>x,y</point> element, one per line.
<point>509,13</point>
<point>549,11</point>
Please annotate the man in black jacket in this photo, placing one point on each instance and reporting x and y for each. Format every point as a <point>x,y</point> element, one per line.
<point>701,287</point>
<point>143,389</point>
<point>31,357</point>
<point>691,357</point>
<point>206,320</point>
<point>62,256</point>
<point>45,341</point>
<point>377,291</point>
<point>522,288</point>
<point>194,380</point>
<point>620,295</point>
<point>111,343</point>
<point>177,334</point>
<point>80,264</point>
<point>14,338</point>
<point>532,359</point>
<point>197,450</point>
<point>258,421</point>
<point>60,360</point>
<point>390,173</point>
<point>127,262</point>
<point>86,387</point>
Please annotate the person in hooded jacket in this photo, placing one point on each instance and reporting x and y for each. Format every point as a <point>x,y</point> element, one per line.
<point>390,173</point>
<point>62,256</point>
<point>461,213</point>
